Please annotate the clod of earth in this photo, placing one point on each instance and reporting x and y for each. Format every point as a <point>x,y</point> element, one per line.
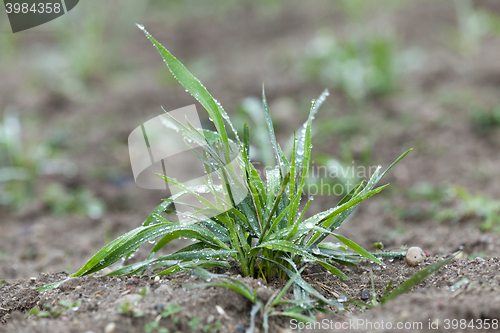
<point>264,293</point>
<point>130,299</point>
<point>69,284</point>
<point>415,256</point>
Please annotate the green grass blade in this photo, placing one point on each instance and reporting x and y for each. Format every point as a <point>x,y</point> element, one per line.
<point>277,299</point>
<point>394,163</point>
<point>295,315</point>
<point>387,290</point>
<point>191,84</point>
<point>189,231</point>
<point>191,265</point>
<point>285,246</point>
<point>230,283</point>
<point>303,284</point>
<point>187,256</point>
<point>355,247</point>
<point>302,144</point>
<point>50,286</point>
<point>277,199</point>
<point>122,246</point>
<point>332,269</point>
<point>277,220</point>
<point>270,127</point>
<point>417,278</point>
<point>327,215</point>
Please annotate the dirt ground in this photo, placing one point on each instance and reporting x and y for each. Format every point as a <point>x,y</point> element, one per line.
<point>244,46</point>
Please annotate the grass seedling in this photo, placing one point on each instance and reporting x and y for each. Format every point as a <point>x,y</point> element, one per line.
<point>169,311</point>
<point>126,309</point>
<point>54,311</point>
<point>266,233</point>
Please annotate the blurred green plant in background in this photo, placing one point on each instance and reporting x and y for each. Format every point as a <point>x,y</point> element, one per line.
<point>86,47</point>
<point>63,201</point>
<point>358,67</point>
<point>23,163</point>
<point>20,164</point>
<point>474,25</point>
<point>452,203</point>
<point>485,121</point>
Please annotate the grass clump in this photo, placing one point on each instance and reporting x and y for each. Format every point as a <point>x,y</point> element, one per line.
<point>265,231</point>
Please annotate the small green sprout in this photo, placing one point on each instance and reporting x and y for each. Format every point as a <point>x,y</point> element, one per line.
<point>194,323</point>
<point>128,310</point>
<point>54,311</point>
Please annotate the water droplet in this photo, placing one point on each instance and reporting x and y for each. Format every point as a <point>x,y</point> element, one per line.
<point>342,299</point>
<point>140,26</point>
<point>309,225</point>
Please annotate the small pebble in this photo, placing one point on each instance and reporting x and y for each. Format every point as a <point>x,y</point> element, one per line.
<point>365,294</point>
<point>69,284</point>
<point>159,308</point>
<point>110,328</point>
<point>264,294</point>
<point>157,278</point>
<point>415,256</point>
<point>163,289</point>
<point>130,299</point>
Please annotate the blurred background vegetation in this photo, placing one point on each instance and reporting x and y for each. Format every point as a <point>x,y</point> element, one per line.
<point>402,74</point>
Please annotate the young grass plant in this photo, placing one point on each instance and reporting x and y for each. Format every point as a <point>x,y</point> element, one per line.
<point>266,233</point>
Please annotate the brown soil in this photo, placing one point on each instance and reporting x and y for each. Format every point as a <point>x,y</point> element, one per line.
<point>464,289</point>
